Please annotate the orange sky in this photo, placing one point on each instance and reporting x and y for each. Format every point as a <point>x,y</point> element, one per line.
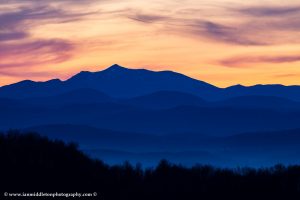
<point>223,42</point>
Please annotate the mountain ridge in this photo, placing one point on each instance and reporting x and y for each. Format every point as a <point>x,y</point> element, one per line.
<point>120,82</point>
<point>144,110</point>
<point>116,81</point>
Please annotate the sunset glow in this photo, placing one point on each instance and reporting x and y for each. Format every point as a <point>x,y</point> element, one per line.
<point>223,42</point>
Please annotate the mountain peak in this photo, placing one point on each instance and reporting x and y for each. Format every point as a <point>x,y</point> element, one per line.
<point>116,67</point>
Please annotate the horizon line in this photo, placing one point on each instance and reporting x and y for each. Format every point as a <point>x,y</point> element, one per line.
<point>127,68</point>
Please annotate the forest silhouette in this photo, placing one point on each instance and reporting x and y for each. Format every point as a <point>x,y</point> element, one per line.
<point>32,163</point>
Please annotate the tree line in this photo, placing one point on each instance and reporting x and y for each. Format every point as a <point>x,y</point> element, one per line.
<point>33,163</point>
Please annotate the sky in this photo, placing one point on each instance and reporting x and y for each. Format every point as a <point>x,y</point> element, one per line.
<point>222,42</point>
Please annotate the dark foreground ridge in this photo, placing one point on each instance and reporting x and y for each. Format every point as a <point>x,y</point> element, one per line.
<point>31,163</point>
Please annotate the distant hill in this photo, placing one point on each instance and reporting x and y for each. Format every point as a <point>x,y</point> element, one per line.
<point>260,102</point>
<point>289,92</point>
<point>281,140</point>
<point>92,138</point>
<point>166,99</point>
<point>254,149</point>
<point>217,121</point>
<point>78,96</point>
<point>262,148</point>
<point>44,162</point>
<point>31,89</point>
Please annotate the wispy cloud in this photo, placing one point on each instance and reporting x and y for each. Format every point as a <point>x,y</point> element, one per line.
<point>252,25</point>
<point>246,61</point>
<point>28,73</point>
<point>148,18</point>
<point>19,49</point>
<point>16,24</point>
<point>232,34</point>
<point>35,52</point>
<point>270,11</point>
<point>48,2</point>
<point>226,33</point>
<point>285,75</point>
<point>12,35</point>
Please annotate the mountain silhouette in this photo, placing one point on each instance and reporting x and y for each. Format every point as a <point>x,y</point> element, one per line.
<point>115,81</point>
<point>30,89</point>
<point>120,82</point>
<point>141,113</point>
<point>290,92</point>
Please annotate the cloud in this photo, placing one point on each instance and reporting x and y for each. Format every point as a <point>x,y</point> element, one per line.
<point>247,61</point>
<point>19,49</point>
<point>227,34</point>
<point>270,11</point>
<point>249,32</point>
<point>231,34</point>
<point>48,2</point>
<point>28,73</point>
<point>285,75</point>
<point>262,21</point>
<point>248,26</point>
<point>47,46</point>
<point>36,52</point>
<point>202,28</point>
<point>15,24</point>
<point>148,18</point>
<point>12,35</point>
<point>23,14</point>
